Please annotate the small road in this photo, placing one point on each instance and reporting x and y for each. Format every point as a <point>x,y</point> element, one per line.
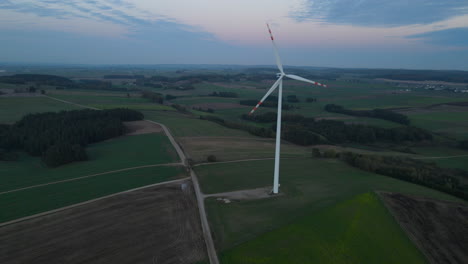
<point>213,257</point>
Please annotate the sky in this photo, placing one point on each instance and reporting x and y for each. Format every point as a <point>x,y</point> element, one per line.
<point>411,34</point>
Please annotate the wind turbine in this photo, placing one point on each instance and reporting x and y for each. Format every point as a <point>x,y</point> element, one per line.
<point>279,83</point>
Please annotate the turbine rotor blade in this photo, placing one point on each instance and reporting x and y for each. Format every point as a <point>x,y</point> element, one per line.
<point>275,49</point>
<point>299,78</point>
<point>273,87</point>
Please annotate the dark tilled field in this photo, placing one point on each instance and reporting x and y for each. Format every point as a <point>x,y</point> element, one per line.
<point>155,225</point>
<point>439,229</point>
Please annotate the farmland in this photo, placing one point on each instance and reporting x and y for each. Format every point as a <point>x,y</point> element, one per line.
<point>358,230</point>
<point>121,229</point>
<point>325,204</point>
<point>106,156</point>
<point>308,185</point>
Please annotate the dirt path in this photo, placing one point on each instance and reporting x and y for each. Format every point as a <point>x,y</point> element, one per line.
<point>89,176</point>
<point>252,194</point>
<point>234,161</point>
<point>212,255</point>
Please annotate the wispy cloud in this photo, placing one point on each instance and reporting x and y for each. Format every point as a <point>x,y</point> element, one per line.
<point>454,37</point>
<point>382,13</point>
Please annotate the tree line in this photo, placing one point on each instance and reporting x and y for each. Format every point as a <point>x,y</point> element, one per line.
<point>60,82</point>
<point>308,131</point>
<point>451,181</point>
<point>224,94</point>
<point>60,138</point>
<point>375,113</point>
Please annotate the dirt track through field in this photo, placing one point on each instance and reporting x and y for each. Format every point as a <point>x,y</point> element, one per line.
<point>155,223</point>
<point>90,176</point>
<point>212,255</point>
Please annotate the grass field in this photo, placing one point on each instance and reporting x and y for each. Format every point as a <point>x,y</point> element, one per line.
<point>454,124</point>
<point>358,230</point>
<point>114,154</point>
<point>308,185</point>
<point>32,201</point>
<point>13,108</point>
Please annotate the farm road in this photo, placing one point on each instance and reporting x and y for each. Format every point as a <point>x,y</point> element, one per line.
<point>213,257</point>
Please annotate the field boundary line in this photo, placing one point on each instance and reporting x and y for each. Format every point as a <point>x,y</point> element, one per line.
<point>92,175</point>
<point>89,201</point>
<point>68,102</point>
<point>442,157</point>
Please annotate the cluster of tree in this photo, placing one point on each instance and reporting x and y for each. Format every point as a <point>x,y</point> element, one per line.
<point>61,137</point>
<point>224,94</point>
<point>208,110</point>
<point>375,113</point>
<point>40,79</point>
<point>463,144</point>
<point>267,117</point>
<point>340,132</point>
<point>170,97</point>
<point>153,97</point>
<point>257,131</point>
<point>59,82</point>
<point>123,76</point>
<point>308,131</point>
<point>266,103</point>
<point>452,181</point>
<point>95,85</point>
<point>180,108</point>
<point>311,100</point>
<point>292,98</point>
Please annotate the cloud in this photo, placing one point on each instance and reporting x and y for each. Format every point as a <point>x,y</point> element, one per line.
<point>382,13</point>
<point>113,11</point>
<point>454,37</point>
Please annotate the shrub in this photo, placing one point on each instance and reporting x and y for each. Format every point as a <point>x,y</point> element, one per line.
<point>211,158</point>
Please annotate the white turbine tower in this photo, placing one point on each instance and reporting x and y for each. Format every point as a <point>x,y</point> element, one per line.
<point>279,83</point>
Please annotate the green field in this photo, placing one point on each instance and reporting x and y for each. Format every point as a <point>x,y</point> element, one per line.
<point>308,185</point>
<point>358,230</point>
<point>32,201</point>
<point>13,108</point>
<point>453,124</point>
<point>114,154</point>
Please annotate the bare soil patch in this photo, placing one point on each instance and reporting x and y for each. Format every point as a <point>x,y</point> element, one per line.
<point>158,224</point>
<point>217,106</point>
<point>236,148</point>
<point>252,194</point>
<point>438,228</point>
<point>142,127</point>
